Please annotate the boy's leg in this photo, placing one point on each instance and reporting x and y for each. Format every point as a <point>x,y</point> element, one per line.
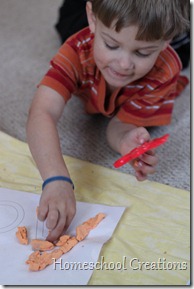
<point>72,18</point>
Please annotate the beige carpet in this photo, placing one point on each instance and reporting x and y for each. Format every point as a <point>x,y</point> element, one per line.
<point>28,40</point>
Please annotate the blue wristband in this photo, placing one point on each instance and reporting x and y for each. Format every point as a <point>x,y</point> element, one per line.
<point>57,178</point>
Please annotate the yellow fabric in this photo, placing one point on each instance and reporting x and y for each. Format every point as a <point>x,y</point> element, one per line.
<point>156,223</point>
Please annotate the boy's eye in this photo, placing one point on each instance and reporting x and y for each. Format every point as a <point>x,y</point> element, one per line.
<point>138,53</point>
<point>111,47</point>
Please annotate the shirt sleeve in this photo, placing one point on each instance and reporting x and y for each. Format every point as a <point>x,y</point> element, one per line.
<point>153,109</point>
<point>63,75</point>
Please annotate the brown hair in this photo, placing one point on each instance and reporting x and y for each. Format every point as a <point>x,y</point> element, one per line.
<point>156,19</point>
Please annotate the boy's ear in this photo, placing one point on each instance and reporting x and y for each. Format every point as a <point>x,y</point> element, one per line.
<point>91,17</point>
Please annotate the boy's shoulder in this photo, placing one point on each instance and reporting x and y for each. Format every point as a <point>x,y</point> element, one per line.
<point>78,49</point>
<point>81,39</point>
<point>168,65</point>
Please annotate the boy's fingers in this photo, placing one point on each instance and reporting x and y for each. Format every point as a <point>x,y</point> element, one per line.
<point>69,220</point>
<point>42,212</point>
<point>149,159</point>
<point>52,219</point>
<point>140,176</point>
<point>145,169</point>
<point>55,234</point>
<point>143,135</point>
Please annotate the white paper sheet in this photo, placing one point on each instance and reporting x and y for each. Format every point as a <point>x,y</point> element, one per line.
<point>19,209</point>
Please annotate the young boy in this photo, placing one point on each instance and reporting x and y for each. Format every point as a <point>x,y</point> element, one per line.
<point>72,18</point>
<point>120,66</point>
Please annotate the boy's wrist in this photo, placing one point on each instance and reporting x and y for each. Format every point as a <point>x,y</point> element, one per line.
<point>57,178</point>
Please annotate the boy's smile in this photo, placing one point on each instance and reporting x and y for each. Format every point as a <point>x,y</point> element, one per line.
<point>119,56</point>
<point>117,75</point>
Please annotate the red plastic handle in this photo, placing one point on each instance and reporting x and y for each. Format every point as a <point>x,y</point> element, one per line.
<point>136,152</point>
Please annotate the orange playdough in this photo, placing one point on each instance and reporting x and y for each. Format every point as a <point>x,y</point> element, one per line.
<point>21,234</point>
<point>41,245</point>
<point>69,245</point>
<point>38,261</point>
<point>83,230</point>
<point>62,240</point>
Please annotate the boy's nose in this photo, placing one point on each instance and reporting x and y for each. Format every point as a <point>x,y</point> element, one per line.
<point>126,62</point>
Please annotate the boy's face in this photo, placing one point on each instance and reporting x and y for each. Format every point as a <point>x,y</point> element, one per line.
<point>119,56</point>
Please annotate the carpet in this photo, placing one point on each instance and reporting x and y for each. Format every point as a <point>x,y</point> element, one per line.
<point>28,42</point>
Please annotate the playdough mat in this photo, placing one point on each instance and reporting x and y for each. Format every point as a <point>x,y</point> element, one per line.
<point>73,268</point>
<point>151,243</point>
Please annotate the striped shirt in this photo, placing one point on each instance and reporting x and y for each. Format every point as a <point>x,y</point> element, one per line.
<point>144,102</point>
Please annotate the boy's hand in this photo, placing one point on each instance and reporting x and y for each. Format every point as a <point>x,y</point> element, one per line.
<point>57,206</point>
<point>144,164</point>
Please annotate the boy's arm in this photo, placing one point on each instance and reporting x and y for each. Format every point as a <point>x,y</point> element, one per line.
<point>43,140</point>
<point>123,137</point>
<point>42,136</point>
